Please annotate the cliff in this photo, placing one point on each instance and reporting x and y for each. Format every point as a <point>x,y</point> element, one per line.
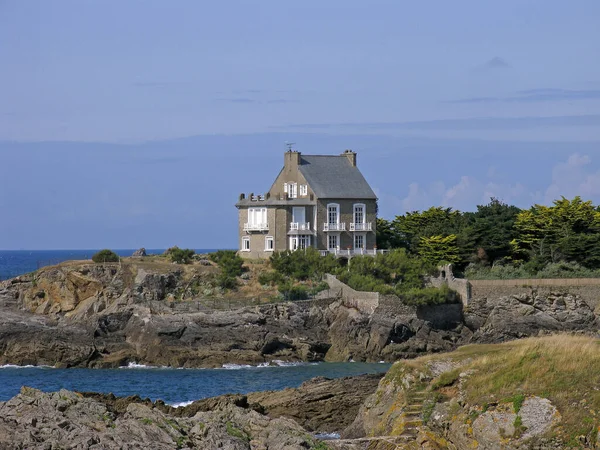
<point>81,314</point>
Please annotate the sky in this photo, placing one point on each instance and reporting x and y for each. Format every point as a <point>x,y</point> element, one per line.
<point>138,123</point>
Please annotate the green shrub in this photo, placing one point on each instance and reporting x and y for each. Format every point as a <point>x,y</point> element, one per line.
<point>232,266</point>
<point>104,256</point>
<point>290,291</point>
<point>180,255</point>
<point>270,278</point>
<point>428,296</point>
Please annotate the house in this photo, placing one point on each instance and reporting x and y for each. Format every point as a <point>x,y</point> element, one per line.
<point>320,201</point>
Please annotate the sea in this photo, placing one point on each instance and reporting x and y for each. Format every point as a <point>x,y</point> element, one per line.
<point>17,262</point>
<point>177,387</point>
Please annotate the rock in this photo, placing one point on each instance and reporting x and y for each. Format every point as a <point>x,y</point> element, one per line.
<point>36,420</point>
<point>139,252</point>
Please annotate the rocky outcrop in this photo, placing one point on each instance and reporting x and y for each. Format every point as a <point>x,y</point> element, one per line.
<point>64,419</point>
<point>516,316</point>
<point>108,315</point>
<point>320,405</point>
<point>139,252</point>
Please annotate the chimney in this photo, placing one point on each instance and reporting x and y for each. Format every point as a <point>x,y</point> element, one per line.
<point>351,156</point>
<point>291,159</point>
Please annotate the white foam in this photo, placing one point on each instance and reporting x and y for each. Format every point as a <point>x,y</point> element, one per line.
<point>281,363</point>
<point>237,366</point>
<point>180,404</point>
<point>134,365</point>
<point>28,366</point>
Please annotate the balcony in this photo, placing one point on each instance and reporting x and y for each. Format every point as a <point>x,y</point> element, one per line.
<point>300,226</point>
<point>256,227</point>
<point>361,226</point>
<point>353,252</point>
<point>334,227</point>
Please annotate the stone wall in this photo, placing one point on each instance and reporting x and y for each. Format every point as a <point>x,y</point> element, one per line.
<point>587,288</point>
<point>366,302</point>
<point>460,285</point>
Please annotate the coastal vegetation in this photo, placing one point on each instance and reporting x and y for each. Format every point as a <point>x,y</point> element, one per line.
<point>180,255</point>
<point>500,241</point>
<point>300,274</point>
<point>104,256</point>
<point>483,378</point>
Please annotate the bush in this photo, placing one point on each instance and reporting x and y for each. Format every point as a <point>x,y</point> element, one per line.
<point>293,292</point>
<point>180,255</point>
<point>428,296</point>
<point>231,267</point>
<point>104,256</point>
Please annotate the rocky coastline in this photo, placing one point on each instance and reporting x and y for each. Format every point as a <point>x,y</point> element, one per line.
<point>105,316</point>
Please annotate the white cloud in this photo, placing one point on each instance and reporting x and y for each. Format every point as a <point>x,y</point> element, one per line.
<point>573,177</point>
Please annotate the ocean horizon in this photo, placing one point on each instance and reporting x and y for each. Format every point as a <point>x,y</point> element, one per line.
<point>18,262</point>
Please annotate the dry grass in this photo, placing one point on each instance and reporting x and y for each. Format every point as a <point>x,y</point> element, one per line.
<point>563,368</point>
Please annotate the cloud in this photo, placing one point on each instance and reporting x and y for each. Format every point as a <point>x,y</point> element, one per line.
<point>494,64</point>
<point>463,195</point>
<point>573,177</point>
<point>475,123</point>
<point>536,95</point>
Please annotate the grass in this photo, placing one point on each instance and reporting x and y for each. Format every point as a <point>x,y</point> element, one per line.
<point>236,432</point>
<point>562,368</point>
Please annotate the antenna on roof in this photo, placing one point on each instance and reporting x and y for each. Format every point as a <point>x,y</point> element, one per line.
<point>289,145</point>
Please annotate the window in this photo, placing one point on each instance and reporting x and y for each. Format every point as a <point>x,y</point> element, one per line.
<point>246,244</point>
<point>257,216</point>
<point>359,241</point>
<point>333,216</point>
<point>293,190</point>
<point>303,190</point>
<point>269,244</point>
<point>285,187</point>
<point>332,242</point>
<point>359,213</point>
<point>299,242</point>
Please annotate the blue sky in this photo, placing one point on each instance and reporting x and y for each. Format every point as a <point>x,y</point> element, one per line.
<point>137,123</point>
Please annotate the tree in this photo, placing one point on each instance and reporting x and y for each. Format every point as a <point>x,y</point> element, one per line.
<point>386,237</point>
<point>491,229</point>
<point>104,256</point>
<point>567,231</point>
<point>435,221</point>
<point>438,249</point>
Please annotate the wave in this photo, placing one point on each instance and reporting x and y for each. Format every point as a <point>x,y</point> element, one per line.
<point>263,365</point>
<point>181,404</point>
<point>28,366</point>
<point>134,365</point>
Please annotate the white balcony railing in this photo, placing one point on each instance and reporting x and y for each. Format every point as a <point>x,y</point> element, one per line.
<point>256,227</point>
<point>353,252</point>
<point>361,226</point>
<point>300,226</point>
<point>334,227</point>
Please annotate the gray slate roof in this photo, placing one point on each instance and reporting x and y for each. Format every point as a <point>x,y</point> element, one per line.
<point>334,177</point>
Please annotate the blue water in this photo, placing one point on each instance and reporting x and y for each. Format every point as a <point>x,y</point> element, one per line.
<point>18,262</point>
<point>174,386</point>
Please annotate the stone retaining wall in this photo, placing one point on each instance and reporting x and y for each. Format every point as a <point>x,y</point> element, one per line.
<point>587,288</point>
<point>366,302</point>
